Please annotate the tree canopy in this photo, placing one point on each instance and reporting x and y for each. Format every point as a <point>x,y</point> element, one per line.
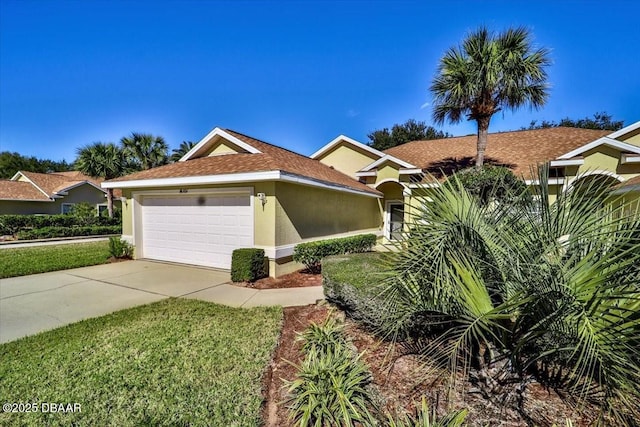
<point>10,163</point>
<point>411,130</point>
<point>145,151</point>
<point>178,153</point>
<point>488,73</point>
<point>602,121</point>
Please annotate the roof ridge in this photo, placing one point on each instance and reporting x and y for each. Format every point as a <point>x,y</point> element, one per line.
<point>269,144</point>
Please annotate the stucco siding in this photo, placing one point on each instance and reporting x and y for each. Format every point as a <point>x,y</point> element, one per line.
<point>603,159</point>
<point>347,159</point>
<point>387,171</point>
<point>632,138</point>
<point>223,148</point>
<point>307,213</point>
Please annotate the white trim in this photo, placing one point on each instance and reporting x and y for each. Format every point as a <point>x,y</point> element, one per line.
<point>410,171</point>
<point>568,162</point>
<point>283,251</point>
<point>390,158</point>
<point>192,191</point>
<point>231,179</point>
<point>368,173</point>
<point>223,134</point>
<point>13,178</point>
<point>387,217</point>
<point>629,158</point>
<point>424,185</point>
<point>384,181</point>
<point>550,181</point>
<point>343,138</point>
<point>29,200</point>
<point>62,205</point>
<point>622,146</point>
<point>625,130</point>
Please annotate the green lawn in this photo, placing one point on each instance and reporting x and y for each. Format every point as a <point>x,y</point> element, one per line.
<point>40,259</point>
<point>174,362</point>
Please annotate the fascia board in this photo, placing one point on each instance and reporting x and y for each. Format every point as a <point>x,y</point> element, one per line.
<point>388,157</point>
<point>351,141</point>
<point>567,162</point>
<point>622,146</point>
<point>624,130</point>
<point>225,135</point>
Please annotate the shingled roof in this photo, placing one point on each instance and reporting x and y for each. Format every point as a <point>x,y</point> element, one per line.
<point>44,186</point>
<point>517,150</point>
<point>270,158</point>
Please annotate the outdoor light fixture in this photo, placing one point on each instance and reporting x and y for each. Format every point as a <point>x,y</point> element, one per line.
<point>262,197</point>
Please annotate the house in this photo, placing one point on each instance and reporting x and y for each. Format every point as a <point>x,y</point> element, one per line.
<point>232,190</point>
<point>29,193</point>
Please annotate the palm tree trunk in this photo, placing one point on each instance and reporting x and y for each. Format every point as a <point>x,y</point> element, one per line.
<point>110,202</point>
<point>483,132</point>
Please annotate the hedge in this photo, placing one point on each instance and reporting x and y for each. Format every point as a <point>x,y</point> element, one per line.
<point>51,232</point>
<point>12,224</point>
<point>311,254</point>
<point>247,265</point>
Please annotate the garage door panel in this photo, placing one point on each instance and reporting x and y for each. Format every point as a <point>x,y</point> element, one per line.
<point>202,230</point>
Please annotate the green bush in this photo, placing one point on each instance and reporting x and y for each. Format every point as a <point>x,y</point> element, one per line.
<point>247,265</point>
<point>494,184</point>
<point>310,254</point>
<point>427,418</point>
<point>12,224</point>
<point>354,283</point>
<point>119,248</point>
<point>333,383</point>
<point>52,232</point>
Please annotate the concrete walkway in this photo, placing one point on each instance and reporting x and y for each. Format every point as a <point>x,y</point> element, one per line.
<point>31,304</point>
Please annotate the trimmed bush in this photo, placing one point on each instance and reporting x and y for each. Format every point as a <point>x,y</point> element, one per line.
<point>354,283</point>
<point>52,232</point>
<point>12,224</point>
<point>310,254</point>
<point>247,265</point>
<point>119,248</point>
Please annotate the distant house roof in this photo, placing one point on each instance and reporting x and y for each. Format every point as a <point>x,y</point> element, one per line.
<point>517,150</point>
<point>260,157</point>
<point>43,187</point>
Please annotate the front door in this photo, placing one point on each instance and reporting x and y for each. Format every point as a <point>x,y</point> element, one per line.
<point>396,221</point>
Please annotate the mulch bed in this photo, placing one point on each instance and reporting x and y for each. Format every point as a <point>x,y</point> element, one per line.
<point>401,380</point>
<point>297,279</point>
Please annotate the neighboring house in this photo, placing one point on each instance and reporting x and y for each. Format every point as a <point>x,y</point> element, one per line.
<point>234,191</point>
<point>29,193</point>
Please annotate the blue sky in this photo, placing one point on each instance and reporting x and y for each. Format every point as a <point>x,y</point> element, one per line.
<point>293,73</point>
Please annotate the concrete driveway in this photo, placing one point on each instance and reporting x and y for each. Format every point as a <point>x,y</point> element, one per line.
<point>31,304</point>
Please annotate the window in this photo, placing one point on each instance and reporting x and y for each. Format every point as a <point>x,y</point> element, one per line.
<point>101,208</point>
<point>67,207</point>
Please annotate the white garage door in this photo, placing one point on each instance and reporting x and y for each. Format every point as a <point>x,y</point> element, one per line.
<point>199,229</point>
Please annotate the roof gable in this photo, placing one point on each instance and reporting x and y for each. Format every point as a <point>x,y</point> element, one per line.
<point>216,138</point>
<point>606,140</point>
<point>342,139</point>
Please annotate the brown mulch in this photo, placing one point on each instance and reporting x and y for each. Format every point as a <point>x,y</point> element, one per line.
<point>401,381</point>
<point>297,279</point>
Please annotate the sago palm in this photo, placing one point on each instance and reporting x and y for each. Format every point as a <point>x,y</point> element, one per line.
<point>145,150</point>
<point>102,160</point>
<point>486,74</point>
<point>528,291</point>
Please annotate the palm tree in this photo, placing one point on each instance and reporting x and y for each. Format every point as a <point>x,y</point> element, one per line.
<point>179,152</point>
<point>514,292</point>
<point>102,160</point>
<point>145,150</point>
<point>486,74</point>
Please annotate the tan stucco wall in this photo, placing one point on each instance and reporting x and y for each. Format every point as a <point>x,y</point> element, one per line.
<point>83,193</point>
<point>386,171</point>
<point>308,213</point>
<point>223,147</point>
<point>602,159</point>
<point>632,138</point>
<point>347,158</point>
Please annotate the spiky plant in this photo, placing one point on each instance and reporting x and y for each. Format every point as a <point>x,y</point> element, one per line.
<point>528,291</point>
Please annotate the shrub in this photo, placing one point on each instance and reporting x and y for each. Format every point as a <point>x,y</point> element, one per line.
<point>310,254</point>
<point>119,248</point>
<point>247,265</point>
<point>332,387</point>
<point>52,232</point>
<point>84,213</point>
<point>12,224</point>
<point>428,418</point>
<point>354,283</point>
<point>494,184</point>
<point>324,337</point>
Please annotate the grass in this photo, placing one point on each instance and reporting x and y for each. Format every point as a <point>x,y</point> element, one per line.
<point>174,362</point>
<point>361,271</point>
<point>40,259</point>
